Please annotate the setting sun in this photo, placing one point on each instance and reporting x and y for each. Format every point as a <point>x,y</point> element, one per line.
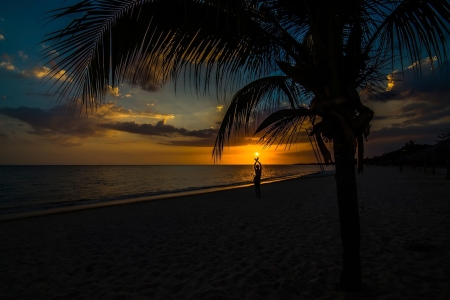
<point>256,153</point>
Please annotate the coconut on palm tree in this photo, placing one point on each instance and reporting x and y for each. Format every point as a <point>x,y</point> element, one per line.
<point>317,56</point>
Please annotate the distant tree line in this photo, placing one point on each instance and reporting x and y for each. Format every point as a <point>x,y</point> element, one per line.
<point>409,149</point>
<point>418,155</point>
<point>444,135</point>
<point>413,152</point>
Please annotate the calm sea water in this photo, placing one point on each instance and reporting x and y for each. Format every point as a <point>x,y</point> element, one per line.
<point>26,188</point>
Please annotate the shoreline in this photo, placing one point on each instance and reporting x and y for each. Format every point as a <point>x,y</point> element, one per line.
<point>78,207</point>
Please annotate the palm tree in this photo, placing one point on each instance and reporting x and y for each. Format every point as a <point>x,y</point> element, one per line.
<point>316,56</point>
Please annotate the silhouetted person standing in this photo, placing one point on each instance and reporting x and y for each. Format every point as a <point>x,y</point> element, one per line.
<point>257,180</point>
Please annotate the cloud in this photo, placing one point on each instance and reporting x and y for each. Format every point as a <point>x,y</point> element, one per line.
<point>54,123</point>
<point>113,91</point>
<point>36,72</point>
<point>110,111</point>
<point>2,37</point>
<point>146,80</point>
<point>208,142</point>
<point>426,61</point>
<point>40,72</point>
<point>160,129</point>
<point>418,100</point>
<point>390,82</point>
<point>62,126</point>
<point>432,79</point>
<point>7,65</point>
<point>426,133</point>
<point>296,154</point>
<point>23,55</point>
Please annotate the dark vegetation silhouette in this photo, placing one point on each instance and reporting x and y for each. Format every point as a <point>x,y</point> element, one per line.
<point>418,155</point>
<point>442,148</point>
<point>314,57</point>
<point>443,136</point>
<point>393,157</point>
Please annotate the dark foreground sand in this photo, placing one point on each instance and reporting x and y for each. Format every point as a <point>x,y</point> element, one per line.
<point>231,245</point>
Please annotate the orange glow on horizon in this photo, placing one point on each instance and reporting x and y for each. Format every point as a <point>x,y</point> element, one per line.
<point>127,149</point>
<point>240,155</point>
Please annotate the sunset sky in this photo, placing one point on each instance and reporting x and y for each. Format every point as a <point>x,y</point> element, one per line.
<point>149,125</point>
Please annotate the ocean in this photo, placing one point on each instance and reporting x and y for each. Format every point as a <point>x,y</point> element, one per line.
<point>30,188</point>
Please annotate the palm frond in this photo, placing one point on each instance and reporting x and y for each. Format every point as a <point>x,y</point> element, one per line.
<point>264,95</point>
<point>415,28</point>
<point>160,39</point>
<point>282,115</point>
<point>282,126</point>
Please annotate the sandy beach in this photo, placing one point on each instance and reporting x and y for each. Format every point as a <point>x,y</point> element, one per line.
<point>231,245</point>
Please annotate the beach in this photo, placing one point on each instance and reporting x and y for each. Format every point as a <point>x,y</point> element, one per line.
<point>231,245</point>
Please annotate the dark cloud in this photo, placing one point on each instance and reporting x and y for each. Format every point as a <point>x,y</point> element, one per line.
<point>430,85</point>
<point>408,115</point>
<point>58,120</point>
<point>423,134</point>
<point>61,126</point>
<point>383,117</point>
<point>422,111</point>
<point>427,117</point>
<point>160,129</point>
<point>210,142</point>
<point>394,117</point>
<point>192,143</point>
<point>203,137</point>
<point>3,136</point>
<point>423,106</point>
<point>297,153</point>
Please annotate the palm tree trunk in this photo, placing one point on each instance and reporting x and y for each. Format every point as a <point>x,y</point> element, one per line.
<point>348,211</point>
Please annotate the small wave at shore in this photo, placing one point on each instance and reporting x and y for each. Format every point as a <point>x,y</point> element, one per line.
<point>49,205</point>
<point>32,188</point>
